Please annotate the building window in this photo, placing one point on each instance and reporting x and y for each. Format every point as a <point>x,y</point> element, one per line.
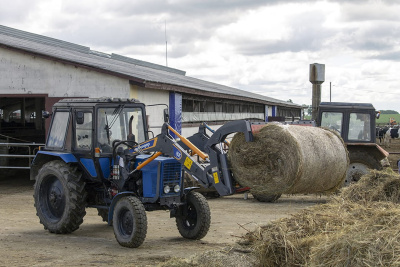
<point>207,109</point>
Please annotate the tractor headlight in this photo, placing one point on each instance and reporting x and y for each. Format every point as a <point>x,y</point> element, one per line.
<point>167,189</point>
<point>177,188</point>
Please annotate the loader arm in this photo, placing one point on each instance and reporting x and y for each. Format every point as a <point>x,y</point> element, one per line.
<point>215,171</point>
<point>200,138</point>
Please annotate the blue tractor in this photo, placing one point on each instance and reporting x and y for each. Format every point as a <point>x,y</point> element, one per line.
<point>98,154</point>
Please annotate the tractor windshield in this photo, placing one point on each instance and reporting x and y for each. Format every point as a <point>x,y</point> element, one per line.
<point>113,124</point>
<point>360,127</point>
<point>332,120</point>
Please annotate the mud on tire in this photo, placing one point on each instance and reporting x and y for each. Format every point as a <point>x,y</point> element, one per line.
<point>60,197</point>
<point>195,222</point>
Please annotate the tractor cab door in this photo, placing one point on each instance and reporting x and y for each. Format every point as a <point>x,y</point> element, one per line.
<point>117,123</point>
<point>83,141</point>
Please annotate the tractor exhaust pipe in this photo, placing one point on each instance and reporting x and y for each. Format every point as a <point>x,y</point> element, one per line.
<point>317,77</point>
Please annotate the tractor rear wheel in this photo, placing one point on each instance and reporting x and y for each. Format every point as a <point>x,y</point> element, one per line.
<point>266,198</point>
<point>130,222</point>
<point>360,162</point>
<point>195,221</point>
<point>103,213</point>
<point>60,197</point>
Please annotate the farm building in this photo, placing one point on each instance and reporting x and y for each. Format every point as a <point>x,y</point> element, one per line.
<point>37,71</point>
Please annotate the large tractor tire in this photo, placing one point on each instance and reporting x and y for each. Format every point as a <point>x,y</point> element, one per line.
<point>130,222</point>
<point>195,222</point>
<point>360,163</point>
<point>60,197</point>
<point>103,213</point>
<point>266,198</point>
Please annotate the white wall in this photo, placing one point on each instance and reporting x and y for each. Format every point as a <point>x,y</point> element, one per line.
<point>24,74</point>
<point>151,97</point>
<point>189,131</point>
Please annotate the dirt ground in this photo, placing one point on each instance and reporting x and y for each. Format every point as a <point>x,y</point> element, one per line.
<point>24,242</point>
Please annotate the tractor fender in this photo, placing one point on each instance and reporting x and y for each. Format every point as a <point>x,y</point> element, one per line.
<point>43,157</point>
<point>187,190</point>
<point>370,148</point>
<point>114,202</point>
<point>66,157</point>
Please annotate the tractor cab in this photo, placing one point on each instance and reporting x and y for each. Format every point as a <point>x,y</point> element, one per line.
<point>86,129</point>
<point>355,122</point>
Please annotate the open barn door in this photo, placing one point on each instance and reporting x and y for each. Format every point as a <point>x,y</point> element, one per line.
<point>22,129</point>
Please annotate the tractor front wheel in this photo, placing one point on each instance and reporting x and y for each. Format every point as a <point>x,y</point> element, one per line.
<point>195,220</point>
<point>130,222</point>
<point>60,197</point>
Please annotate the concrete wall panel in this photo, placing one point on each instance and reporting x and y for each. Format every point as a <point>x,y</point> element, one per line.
<point>23,73</point>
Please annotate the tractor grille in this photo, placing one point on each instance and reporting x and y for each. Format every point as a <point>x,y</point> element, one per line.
<point>172,173</point>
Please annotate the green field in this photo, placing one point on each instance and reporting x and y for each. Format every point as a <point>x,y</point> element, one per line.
<point>384,119</point>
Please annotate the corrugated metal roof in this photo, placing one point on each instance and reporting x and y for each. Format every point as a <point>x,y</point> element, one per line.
<point>140,71</point>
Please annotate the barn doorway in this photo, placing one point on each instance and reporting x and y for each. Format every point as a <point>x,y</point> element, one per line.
<point>21,119</point>
<point>22,130</point>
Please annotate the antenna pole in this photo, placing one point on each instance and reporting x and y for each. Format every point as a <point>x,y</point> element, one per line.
<point>166,45</point>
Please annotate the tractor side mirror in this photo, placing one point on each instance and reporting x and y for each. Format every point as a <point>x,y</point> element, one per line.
<point>80,117</point>
<point>166,115</point>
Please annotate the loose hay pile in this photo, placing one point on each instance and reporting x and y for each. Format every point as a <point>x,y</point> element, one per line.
<point>289,159</point>
<point>214,258</point>
<point>359,227</point>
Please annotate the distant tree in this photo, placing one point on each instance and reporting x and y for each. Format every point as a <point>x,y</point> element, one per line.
<point>389,111</point>
<point>307,110</point>
<point>290,101</point>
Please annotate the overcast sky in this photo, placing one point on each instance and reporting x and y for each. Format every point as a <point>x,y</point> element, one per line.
<point>263,46</point>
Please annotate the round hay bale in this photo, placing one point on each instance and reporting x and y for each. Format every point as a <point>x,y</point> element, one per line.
<point>289,159</point>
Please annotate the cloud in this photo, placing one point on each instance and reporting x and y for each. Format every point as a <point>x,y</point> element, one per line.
<point>370,11</point>
<point>15,11</point>
<point>256,45</point>
<point>392,56</point>
<point>304,33</point>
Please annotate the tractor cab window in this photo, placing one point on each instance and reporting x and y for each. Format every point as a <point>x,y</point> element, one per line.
<point>332,120</point>
<point>83,130</point>
<point>58,131</point>
<point>360,127</point>
<point>113,124</point>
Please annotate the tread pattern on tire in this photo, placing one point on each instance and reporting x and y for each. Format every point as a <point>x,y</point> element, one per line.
<point>103,213</point>
<point>203,218</point>
<point>138,236</point>
<point>74,210</point>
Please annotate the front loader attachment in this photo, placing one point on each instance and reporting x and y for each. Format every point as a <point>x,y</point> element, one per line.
<point>218,158</point>
<point>212,146</point>
<point>215,170</point>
